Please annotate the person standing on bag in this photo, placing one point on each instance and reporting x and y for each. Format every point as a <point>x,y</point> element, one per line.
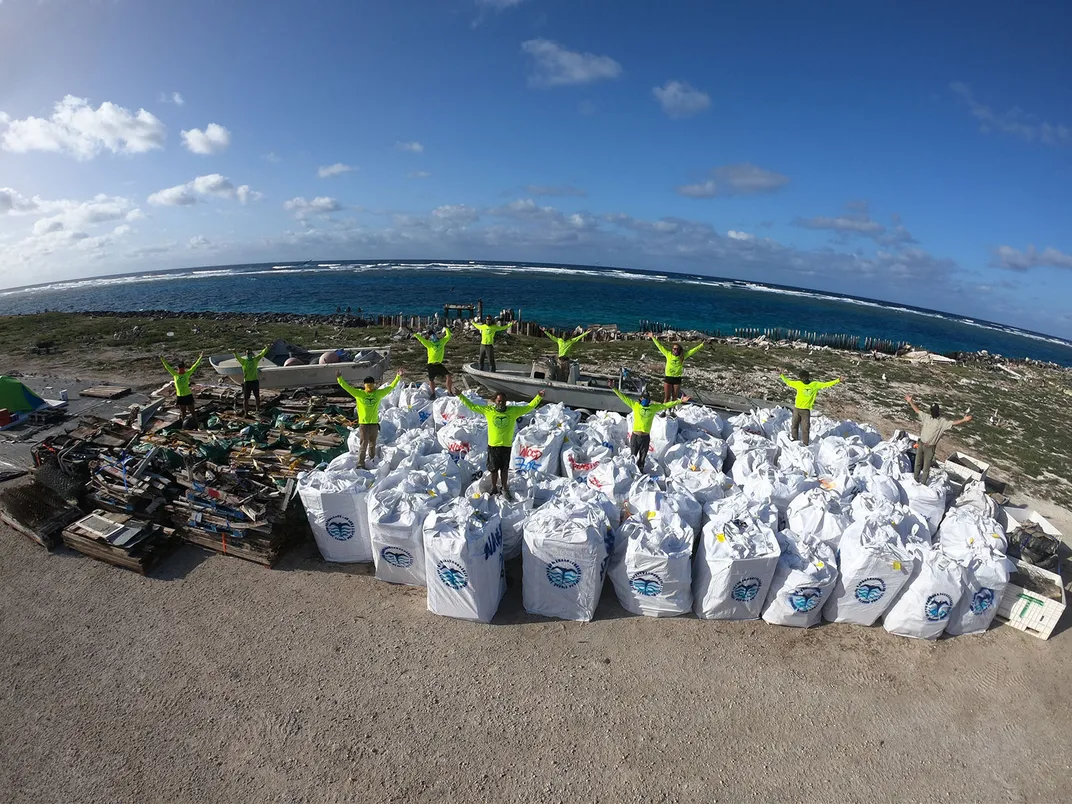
<point>502,422</point>
<point>932,427</point>
<point>644,412</point>
<point>367,404</point>
<point>437,349</point>
<point>807,391</point>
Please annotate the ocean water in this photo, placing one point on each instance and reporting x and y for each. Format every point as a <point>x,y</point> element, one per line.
<point>554,295</point>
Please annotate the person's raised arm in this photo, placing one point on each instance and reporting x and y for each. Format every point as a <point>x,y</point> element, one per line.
<point>263,353</point>
<point>786,380</point>
<point>391,385</point>
<point>446,336</point>
<point>660,347</point>
<point>830,384</point>
<point>427,344</point>
<point>910,401</point>
<point>531,406</point>
<point>622,397</point>
<point>580,337</point>
<point>346,386</point>
<point>481,409</point>
<point>197,363</point>
<point>694,350</point>
<point>168,368</point>
<point>967,418</point>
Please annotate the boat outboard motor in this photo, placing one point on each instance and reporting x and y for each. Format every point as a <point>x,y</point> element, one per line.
<point>574,372</point>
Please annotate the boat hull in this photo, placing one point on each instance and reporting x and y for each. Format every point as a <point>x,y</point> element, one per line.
<point>372,364</point>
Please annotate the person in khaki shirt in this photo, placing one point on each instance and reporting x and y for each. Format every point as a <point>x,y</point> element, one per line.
<point>932,427</point>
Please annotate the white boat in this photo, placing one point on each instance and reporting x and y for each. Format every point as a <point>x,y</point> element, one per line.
<point>357,363</point>
<point>585,391</point>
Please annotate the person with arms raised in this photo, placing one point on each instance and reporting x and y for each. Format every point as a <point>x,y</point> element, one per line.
<point>675,356</point>
<point>502,422</point>
<point>367,405</point>
<point>437,350</point>
<point>565,345</point>
<point>488,331</point>
<point>932,427</point>
<point>644,412</point>
<point>184,396</point>
<point>807,391</point>
<point>251,378</point>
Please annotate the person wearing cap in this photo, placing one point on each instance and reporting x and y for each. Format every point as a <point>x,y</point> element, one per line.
<point>807,391</point>
<point>437,349</point>
<point>251,378</point>
<point>367,404</point>
<point>488,331</point>
<point>675,356</point>
<point>933,426</point>
<point>184,396</point>
<point>502,422</point>
<point>644,412</point>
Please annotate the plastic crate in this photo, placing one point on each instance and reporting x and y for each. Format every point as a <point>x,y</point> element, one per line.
<point>1028,611</point>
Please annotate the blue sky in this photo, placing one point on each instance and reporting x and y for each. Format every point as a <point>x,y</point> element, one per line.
<point>891,150</point>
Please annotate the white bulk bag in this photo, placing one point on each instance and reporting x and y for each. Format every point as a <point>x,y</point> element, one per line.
<point>974,496</point>
<point>781,488</point>
<point>694,420</point>
<point>447,409</point>
<point>564,557</point>
<point>923,609</point>
<point>396,528</point>
<point>802,583</point>
<point>872,481</point>
<point>612,428</point>
<point>839,455</point>
<point>818,514</point>
<point>337,509</point>
<point>648,500</point>
<point>697,471</point>
<point>512,512</point>
<point>614,478</point>
<point>733,568</point>
<point>465,439</point>
<point>966,534</point>
<point>537,448</point>
<point>874,567</point>
<point>984,586</point>
<point>737,504</point>
<point>793,456</point>
<point>654,575</point>
<point>927,501</point>
<point>555,416</point>
<point>579,458</point>
<point>464,560</point>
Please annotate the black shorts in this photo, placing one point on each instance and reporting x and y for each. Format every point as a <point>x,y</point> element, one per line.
<point>672,380</point>
<point>185,399</point>
<point>437,370</point>
<point>251,387</point>
<point>367,430</point>
<point>640,443</point>
<point>498,458</point>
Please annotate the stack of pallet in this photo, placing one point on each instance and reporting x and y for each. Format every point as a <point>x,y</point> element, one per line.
<point>126,484</point>
<point>121,540</point>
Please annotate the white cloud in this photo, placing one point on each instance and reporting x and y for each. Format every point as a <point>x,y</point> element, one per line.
<point>851,224</point>
<point>213,140</point>
<point>556,66</point>
<point>857,222</point>
<point>1013,259</point>
<point>735,235</point>
<point>174,97</point>
<point>135,215</point>
<point>14,203</point>
<point>327,171</point>
<point>197,241</point>
<point>418,174</point>
<point>559,190</point>
<point>412,147</point>
<point>75,216</point>
<point>77,129</point>
<point>212,185</point>
<point>740,179</point>
<point>679,99</point>
<point>456,213</point>
<point>321,205</point>
<point>498,5</point>
<point>1015,121</point>
<point>272,157</point>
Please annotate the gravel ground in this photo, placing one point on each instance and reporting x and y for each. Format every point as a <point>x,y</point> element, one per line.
<point>219,680</point>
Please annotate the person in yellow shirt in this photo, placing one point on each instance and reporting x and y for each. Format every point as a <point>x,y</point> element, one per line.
<point>367,405</point>
<point>184,396</point>
<point>807,391</point>
<point>502,422</point>
<point>488,331</point>
<point>675,356</point>
<point>437,350</point>
<point>644,411</point>
<point>565,346</point>
<point>251,378</point>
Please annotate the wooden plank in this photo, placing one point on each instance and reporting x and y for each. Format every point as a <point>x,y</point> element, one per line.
<point>105,392</point>
<point>143,559</point>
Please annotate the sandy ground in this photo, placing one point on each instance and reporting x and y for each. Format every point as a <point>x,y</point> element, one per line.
<point>219,680</point>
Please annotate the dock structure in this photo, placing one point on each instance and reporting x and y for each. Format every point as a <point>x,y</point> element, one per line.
<point>463,311</point>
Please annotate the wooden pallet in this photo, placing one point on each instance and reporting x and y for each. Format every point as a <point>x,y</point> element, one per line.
<point>105,392</point>
<point>43,515</point>
<point>143,558</point>
<point>259,551</point>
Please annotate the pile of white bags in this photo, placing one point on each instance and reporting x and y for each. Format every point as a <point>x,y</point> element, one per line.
<point>448,409</point>
<point>927,501</point>
<point>537,448</point>
<point>564,558</point>
<point>465,440</point>
<point>464,560</point>
<point>733,568</point>
<point>697,470</point>
<point>695,421</point>
<point>874,567</point>
<point>512,512</point>
<point>614,478</point>
<point>398,506</point>
<point>646,498</point>
<point>923,609</point>
<point>653,576</point>
<point>978,543</point>
<point>818,514</point>
<point>802,583</point>
<point>337,509</point>
<point>583,451</point>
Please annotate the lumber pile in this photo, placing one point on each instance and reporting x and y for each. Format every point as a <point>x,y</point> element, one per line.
<point>122,540</point>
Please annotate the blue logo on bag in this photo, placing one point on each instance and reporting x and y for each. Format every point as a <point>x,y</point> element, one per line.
<point>982,600</point>
<point>397,557</point>
<point>870,590</point>
<point>563,573</point>
<point>746,589</point>
<point>340,528</point>
<point>646,583</point>
<point>805,598</point>
<point>453,575</point>
<point>492,545</point>
<point>938,607</point>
